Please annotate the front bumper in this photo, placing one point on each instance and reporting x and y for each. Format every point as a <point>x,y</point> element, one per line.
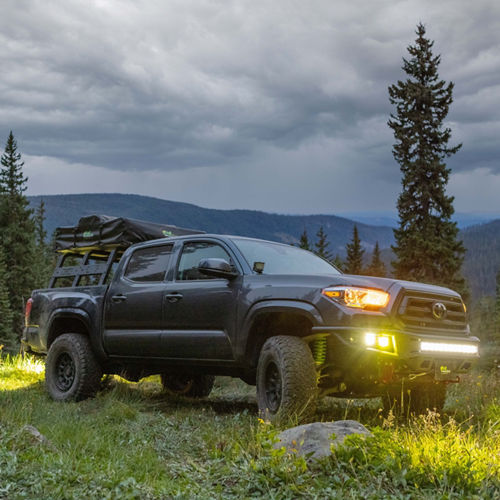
<point>356,367</point>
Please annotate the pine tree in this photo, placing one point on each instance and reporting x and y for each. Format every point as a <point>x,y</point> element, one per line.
<point>354,261</point>
<point>42,264</point>
<point>7,336</point>
<point>338,262</point>
<point>497,311</point>
<point>322,245</point>
<point>304,241</point>
<point>377,267</point>
<point>17,229</point>
<point>426,246</point>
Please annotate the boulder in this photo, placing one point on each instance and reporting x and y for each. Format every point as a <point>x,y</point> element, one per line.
<point>315,440</point>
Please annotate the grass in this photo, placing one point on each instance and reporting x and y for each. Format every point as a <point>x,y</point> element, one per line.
<point>134,442</point>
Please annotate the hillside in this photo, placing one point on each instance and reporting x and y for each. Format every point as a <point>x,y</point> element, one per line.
<point>483,257</point>
<point>65,210</point>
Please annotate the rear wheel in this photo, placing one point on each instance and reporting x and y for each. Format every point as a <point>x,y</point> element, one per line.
<point>191,386</point>
<point>72,372</point>
<point>286,379</point>
<point>416,400</point>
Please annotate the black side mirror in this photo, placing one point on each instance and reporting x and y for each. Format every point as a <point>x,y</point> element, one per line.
<point>219,268</point>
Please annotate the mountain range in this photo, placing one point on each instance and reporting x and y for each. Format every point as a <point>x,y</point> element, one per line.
<point>482,241</point>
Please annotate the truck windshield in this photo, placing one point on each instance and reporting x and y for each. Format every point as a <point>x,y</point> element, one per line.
<point>282,259</point>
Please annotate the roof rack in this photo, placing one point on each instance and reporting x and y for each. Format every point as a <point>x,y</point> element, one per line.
<point>103,239</point>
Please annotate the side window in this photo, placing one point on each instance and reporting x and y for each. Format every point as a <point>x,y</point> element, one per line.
<point>149,264</point>
<point>192,253</point>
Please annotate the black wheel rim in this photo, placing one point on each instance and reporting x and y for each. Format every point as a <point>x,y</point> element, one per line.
<point>65,372</point>
<point>273,387</point>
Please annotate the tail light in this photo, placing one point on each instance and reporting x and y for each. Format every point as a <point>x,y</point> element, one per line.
<point>27,311</point>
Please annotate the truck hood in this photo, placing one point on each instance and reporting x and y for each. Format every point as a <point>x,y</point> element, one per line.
<point>390,285</point>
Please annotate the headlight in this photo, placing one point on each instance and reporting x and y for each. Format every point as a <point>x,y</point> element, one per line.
<point>357,297</point>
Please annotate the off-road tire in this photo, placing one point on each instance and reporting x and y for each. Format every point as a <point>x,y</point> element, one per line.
<point>72,372</point>
<point>190,386</point>
<point>415,401</point>
<point>287,386</point>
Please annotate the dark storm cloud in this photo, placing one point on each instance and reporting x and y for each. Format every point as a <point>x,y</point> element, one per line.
<point>153,85</point>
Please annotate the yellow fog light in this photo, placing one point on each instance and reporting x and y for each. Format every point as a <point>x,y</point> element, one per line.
<point>370,339</point>
<point>381,342</point>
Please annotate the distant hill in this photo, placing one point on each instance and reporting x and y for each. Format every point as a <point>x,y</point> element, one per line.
<point>482,261</point>
<point>65,210</point>
<point>390,218</point>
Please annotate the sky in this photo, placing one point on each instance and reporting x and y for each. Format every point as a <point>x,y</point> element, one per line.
<point>276,105</point>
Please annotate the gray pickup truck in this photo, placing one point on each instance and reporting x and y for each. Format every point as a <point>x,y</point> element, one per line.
<point>194,306</point>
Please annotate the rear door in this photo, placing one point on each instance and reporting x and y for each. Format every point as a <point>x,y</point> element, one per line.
<point>134,309</point>
<point>200,311</point>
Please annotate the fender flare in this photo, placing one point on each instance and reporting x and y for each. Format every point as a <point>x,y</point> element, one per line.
<point>68,313</point>
<point>276,306</point>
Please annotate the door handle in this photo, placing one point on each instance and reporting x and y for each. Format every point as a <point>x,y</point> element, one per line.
<point>173,297</point>
<point>119,298</point>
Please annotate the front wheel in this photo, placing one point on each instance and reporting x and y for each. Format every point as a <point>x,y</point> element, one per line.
<point>72,372</point>
<point>286,379</point>
<point>191,386</point>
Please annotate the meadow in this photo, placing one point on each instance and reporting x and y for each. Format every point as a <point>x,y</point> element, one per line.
<point>132,441</point>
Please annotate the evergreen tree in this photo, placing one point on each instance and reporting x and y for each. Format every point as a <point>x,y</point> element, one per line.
<point>7,336</point>
<point>377,267</point>
<point>304,241</point>
<point>338,262</point>
<point>354,262</point>
<point>42,265</point>
<point>497,311</point>
<point>426,246</point>
<point>17,229</point>
<point>322,245</point>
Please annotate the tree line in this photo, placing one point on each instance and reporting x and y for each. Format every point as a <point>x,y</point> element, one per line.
<point>353,263</point>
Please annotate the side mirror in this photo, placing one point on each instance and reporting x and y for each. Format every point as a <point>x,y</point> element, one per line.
<point>219,268</point>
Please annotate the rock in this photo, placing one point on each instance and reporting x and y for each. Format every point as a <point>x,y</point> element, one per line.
<point>316,438</point>
<point>37,437</point>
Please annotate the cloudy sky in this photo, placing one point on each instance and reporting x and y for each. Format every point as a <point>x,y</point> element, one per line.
<point>272,105</point>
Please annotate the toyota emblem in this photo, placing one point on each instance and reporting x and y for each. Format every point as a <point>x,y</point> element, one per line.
<point>439,310</point>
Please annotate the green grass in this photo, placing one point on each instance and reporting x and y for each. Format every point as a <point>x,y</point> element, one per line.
<point>134,442</point>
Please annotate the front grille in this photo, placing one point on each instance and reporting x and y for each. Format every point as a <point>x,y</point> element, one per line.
<point>416,311</point>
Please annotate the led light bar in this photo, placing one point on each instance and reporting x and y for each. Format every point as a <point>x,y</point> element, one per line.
<point>451,348</point>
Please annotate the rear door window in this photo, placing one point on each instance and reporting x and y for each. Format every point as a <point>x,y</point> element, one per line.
<point>149,264</point>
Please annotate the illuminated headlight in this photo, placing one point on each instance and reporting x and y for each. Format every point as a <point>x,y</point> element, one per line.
<point>449,348</point>
<point>381,342</point>
<point>357,297</point>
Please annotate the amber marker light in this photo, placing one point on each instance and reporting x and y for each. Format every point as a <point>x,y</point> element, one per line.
<point>357,296</point>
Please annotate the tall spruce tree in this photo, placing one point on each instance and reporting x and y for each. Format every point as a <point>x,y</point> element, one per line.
<point>354,261</point>
<point>17,230</point>
<point>304,241</point>
<point>376,267</point>
<point>7,336</point>
<point>426,246</point>
<point>322,245</point>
